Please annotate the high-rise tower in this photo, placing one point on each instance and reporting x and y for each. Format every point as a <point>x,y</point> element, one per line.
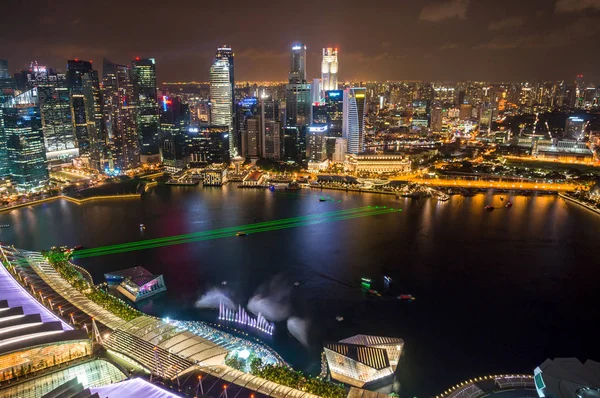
<point>353,127</point>
<point>76,73</point>
<point>329,69</point>
<point>298,105</point>
<point>120,117</point>
<point>143,71</point>
<point>222,95</point>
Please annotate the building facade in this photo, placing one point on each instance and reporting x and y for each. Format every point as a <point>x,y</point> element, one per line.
<point>143,73</point>
<point>353,127</point>
<point>222,95</point>
<point>329,69</point>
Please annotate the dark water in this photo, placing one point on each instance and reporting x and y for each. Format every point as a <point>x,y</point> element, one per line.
<point>496,292</point>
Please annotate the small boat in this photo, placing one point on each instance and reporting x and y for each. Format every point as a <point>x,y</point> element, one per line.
<point>339,318</point>
<point>4,226</point>
<point>293,186</point>
<point>224,283</point>
<point>387,279</point>
<point>322,199</point>
<point>241,234</point>
<point>78,247</point>
<point>374,292</point>
<point>508,204</point>
<point>406,297</point>
<point>489,208</point>
<point>296,284</point>
<point>142,226</point>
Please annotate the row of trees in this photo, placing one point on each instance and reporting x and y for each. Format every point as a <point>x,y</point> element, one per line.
<point>59,259</point>
<point>285,375</point>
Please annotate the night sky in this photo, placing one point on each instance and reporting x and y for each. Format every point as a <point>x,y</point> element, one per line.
<point>493,40</point>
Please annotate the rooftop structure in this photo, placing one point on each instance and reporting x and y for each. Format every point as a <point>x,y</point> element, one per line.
<point>375,163</point>
<point>137,283</point>
<point>254,178</point>
<point>363,359</point>
<point>567,377</point>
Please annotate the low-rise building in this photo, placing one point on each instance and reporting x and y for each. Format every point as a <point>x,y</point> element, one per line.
<point>136,283</point>
<point>379,163</point>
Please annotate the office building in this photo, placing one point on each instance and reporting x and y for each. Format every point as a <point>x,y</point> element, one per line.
<point>353,127</point>
<point>298,105</point>
<point>22,138</point>
<point>7,83</point>
<point>77,70</point>
<point>143,73</point>
<point>94,115</point>
<point>55,107</point>
<point>334,101</point>
<point>466,111</point>
<point>4,74</point>
<point>575,128</point>
<point>363,359</point>
<point>208,145</point>
<point>247,108</point>
<point>252,138</point>
<point>316,148</point>
<point>319,113</point>
<point>421,116</point>
<point>437,119</point>
<point>341,148</point>
<point>329,69</point>
<point>175,121</point>
<point>120,118</point>
<point>316,91</point>
<point>273,140</point>
<point>222,95</point>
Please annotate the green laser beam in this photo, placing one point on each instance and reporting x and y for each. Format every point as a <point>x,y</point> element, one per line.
<point>230,234</point>
<point>210,232</point>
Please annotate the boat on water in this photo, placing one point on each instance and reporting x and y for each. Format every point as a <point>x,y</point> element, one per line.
<point>296,284</point>
<point>142,226</point>
<point>224,283</point>
<point>322,199</point>
<point>489,208</point>
<point>4,225</point>
<point>409,297</point>
<point>339,318</point>
<point>508,204</point>
<point>293,186</point>
<point>77,247</point>
<point>241,234</point>
<point>374,292</point>
<point>387,279</point>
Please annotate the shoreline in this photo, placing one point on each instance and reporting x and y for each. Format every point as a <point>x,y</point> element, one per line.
<point>69,199</point>
<point>577,201</point>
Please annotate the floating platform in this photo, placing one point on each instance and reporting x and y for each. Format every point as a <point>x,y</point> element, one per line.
<point>136,283</point>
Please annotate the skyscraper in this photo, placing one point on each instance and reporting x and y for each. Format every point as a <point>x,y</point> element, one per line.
<point>329,69</point>
<point>222,95</point>
<point>334,100</point>
<point>298,105</point>
<point>436,119</point>
<point>120,118</point>
<point>575,128</point>
<point>76,72</point>
<point>144,86</point>
<point>353,128</point>
<point>24,156</point>
<point>7,84</point>
<point>55,108</point>
<point>4,74</point>
<point>298,64</point>
<point>175,120</point>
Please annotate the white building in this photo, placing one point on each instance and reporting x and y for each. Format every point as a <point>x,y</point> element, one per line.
<point>382,164</point>
<point>221,96</point>
<point>341,148</point>
<point>353,126</point>
<point>329,69</point>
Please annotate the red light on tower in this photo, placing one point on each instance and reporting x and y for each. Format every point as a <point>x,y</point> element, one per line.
<point>76,60</point>
<point>137,58</point>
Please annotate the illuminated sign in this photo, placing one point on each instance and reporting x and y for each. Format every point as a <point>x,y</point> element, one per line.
<point>193,130</point>
<point>334,94</point>
<point>360,96</point>
<point>296,47</point>
<point>317,129</point>
<point>576,119</point>
<point>166,101</point>
<point>249,101</point>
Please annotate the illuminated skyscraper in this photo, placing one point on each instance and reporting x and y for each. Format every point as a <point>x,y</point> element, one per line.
<point>120,118</point>
<point>76,71</point>
<point>144,85</point>
<point>329,69</point>
<point>222,85</point>
<point>298,105</point>
<point>7,83</point>
<point>55,108</point>
<point>24,155</point>
<point>298,64</point>
<point>436,119</point>
<point>4,69</point>
<point>334,100</point>
<point>575,128</point>
<point>353,127</point>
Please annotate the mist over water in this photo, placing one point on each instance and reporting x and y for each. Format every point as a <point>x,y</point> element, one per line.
<point>299,328</point>
<point>213,298</point>
<point>272,299</point>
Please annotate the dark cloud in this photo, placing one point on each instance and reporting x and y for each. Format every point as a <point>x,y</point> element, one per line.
<point>507,23</point>
<point>577,5</point>
<point>377,40</point>
<point>447,9</point>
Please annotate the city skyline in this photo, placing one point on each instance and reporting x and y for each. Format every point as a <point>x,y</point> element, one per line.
<point>425,40</point>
